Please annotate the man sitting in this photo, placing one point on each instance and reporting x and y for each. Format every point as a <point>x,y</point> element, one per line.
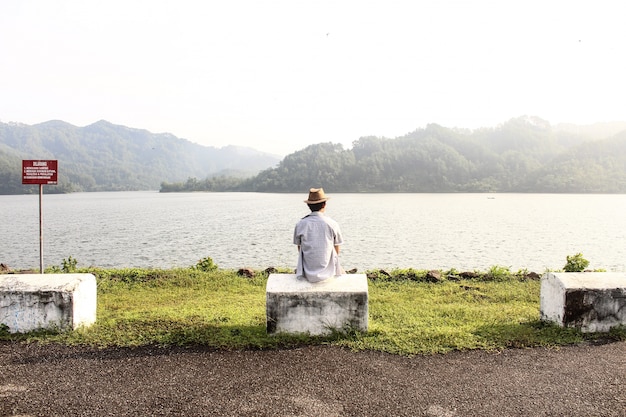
<point>318,238</point>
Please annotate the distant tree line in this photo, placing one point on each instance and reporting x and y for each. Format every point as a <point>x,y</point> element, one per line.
<point>522,155</point>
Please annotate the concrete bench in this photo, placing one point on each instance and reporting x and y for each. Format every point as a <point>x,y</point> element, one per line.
<point>294,305</point>
<point>47,301</point>
<point>590,301</point>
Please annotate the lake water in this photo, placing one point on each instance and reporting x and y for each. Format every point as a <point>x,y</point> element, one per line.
<point>423,231</point>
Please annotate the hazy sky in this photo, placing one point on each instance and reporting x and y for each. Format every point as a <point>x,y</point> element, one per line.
<point>280,75</point>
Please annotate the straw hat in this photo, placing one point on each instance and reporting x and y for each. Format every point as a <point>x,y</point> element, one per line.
<point>316,195</point>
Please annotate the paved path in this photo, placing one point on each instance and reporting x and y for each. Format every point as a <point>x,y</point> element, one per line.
<point>312,381</point>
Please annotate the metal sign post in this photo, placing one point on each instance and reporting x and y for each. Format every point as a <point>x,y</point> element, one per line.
<point>40,172</point>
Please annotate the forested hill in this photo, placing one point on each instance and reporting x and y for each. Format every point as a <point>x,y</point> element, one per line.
<point>525,154</point>
<point>108,157</point>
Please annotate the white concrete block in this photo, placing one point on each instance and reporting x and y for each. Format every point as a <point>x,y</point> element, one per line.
<point>591,301</point>
<point>47,301</point>
<point>294,305</point>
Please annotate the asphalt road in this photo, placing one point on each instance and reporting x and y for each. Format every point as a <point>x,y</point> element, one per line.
<point>587,380</point>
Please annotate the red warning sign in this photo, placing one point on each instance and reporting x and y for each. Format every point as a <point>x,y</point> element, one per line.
<point>39,172</point>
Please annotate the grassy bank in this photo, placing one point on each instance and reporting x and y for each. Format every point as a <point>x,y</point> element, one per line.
<point>407,314</point>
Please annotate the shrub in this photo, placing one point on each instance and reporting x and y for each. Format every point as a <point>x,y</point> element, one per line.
<point>206,265</point>
<point>576,263</point>
<point>498,273</point>
<point>68,266</point>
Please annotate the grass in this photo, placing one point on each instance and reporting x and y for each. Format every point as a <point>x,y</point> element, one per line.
<point>407,314</point>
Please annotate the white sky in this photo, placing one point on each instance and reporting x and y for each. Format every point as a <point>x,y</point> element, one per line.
<point>280,75</point>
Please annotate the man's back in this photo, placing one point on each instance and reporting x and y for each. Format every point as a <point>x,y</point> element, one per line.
<point>317,236</point>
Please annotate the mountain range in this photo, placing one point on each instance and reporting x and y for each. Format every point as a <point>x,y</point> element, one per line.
<point>107,157</point>
<point>523,154</point>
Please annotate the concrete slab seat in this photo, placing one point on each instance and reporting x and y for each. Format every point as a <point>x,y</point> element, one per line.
<point>294,305</point>
<point>589,301</point>
<point>47,301</point>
